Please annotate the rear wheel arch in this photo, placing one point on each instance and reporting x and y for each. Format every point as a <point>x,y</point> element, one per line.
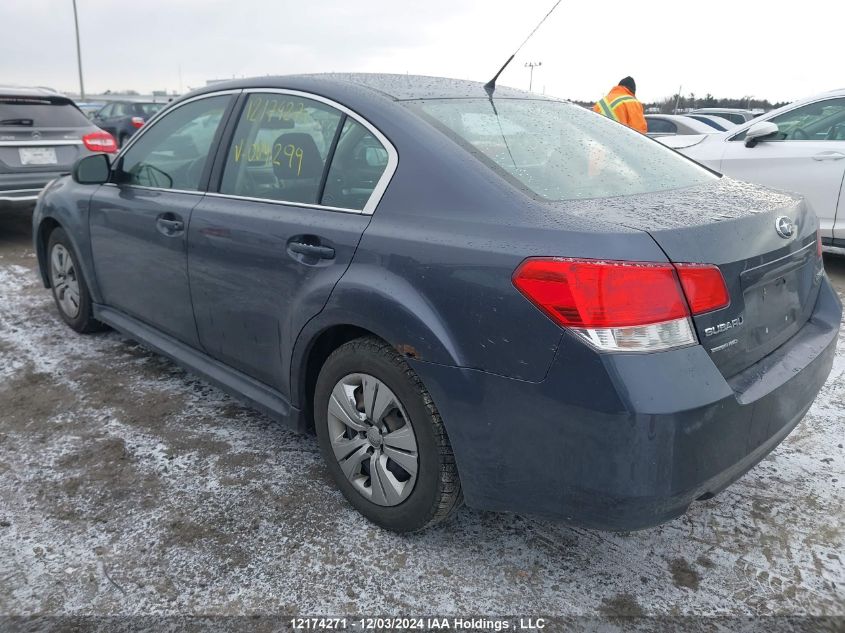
<point>317,352</point>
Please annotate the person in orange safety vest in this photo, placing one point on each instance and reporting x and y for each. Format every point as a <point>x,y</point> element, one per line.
<point>621,105</point>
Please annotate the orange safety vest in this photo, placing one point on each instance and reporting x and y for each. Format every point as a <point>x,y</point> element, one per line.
<point>621,105</point>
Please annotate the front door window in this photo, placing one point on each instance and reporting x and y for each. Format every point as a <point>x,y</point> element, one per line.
<point>172,154</point>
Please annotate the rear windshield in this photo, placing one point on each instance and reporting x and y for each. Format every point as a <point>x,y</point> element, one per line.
<point>37,112</point>
<point>559,151</point>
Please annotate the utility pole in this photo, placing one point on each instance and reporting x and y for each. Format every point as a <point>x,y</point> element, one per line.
<point>78,53</point>
<point>532,66</point>
<point>677,99</point>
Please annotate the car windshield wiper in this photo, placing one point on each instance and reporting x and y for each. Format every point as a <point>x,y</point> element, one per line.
<point>28,122</point>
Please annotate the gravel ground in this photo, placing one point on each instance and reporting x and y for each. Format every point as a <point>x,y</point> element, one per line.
<point>130,487</point>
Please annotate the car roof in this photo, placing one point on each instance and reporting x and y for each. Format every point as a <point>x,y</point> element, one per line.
<point>706,110</point>
<point>130,102</point>
<point>667,116</point>
<point>691,123</point>
<point>393,86</point>
<point>713,116</point>
<point>22,91</point>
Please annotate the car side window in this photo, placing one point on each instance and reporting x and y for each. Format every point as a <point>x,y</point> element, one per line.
<point>733,117</point>
<point>279,148</point>
<point>106,111</point>
<point>172,153</point>
<point>661,126</point>
<point>358,164</point>
<point>818,121</point>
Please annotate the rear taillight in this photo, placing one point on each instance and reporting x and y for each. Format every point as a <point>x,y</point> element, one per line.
<point>100,141</point>
<point>137,121</point>
<point>704,287</point>
<point>622,306</point>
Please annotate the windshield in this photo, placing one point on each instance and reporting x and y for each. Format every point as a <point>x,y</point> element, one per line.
<point>559,151</point>
<point>37,112</point>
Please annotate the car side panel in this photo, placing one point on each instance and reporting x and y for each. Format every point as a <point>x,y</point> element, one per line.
<point>792,166</point>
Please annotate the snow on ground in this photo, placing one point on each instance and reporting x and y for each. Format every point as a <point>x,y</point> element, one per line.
<point>129,487</point>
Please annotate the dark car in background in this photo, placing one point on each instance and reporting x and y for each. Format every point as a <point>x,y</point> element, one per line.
<point>493,297</point>
<point>42,134</point>
<point>122,119</point>
<point>90,108</point>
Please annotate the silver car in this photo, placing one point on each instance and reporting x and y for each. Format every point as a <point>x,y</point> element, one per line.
<point>737,116</point>
<point>42,134</point>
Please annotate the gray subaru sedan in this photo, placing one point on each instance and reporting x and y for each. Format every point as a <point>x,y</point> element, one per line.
<point>468,294</point>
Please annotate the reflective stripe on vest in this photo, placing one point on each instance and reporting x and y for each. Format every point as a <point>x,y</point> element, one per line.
<point>620,100</point>
<point>605,109</point>
<point>609,110</point>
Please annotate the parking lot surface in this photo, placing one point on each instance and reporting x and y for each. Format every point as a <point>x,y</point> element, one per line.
<point>130,487</point>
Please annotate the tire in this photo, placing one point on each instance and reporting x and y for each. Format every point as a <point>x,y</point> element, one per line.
<point>373,378</point>
<point>67,282</point>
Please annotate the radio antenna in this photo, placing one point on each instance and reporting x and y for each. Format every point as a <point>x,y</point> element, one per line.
<point>490,86</point>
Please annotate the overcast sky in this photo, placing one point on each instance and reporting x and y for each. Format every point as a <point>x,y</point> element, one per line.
<point>728,48</point>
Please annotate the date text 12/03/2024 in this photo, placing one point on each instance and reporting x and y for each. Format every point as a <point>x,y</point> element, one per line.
<point>420,624</point>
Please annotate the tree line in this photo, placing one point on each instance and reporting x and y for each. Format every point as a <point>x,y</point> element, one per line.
<point>692,101</point>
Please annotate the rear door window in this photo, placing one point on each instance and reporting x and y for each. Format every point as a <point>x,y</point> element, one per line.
<point>123,109</point>
<point>38,112</point>
<point>357,166</point>
<point>280,148</point>
<point>149,109</point>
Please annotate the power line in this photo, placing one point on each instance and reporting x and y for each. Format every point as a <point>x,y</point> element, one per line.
<point>532,66</point>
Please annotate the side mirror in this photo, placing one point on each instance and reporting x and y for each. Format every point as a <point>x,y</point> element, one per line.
<point>91,170</point>
<point>760,132</point>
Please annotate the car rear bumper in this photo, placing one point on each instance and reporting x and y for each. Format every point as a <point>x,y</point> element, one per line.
<point>25,187</point>
<point>626,441</point>
<point>19,195</point>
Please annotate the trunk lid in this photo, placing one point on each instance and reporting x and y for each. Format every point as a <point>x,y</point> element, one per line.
<point>773,281</point>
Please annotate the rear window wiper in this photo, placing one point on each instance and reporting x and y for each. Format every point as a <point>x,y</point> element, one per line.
<point>28,122</point>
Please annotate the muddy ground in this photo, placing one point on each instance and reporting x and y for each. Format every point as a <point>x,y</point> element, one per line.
<point>129,487</point>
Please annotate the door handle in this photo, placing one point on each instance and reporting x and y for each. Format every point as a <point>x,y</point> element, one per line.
<point>312,250</point>
<point>829,155</point>
<point>170,224</point>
